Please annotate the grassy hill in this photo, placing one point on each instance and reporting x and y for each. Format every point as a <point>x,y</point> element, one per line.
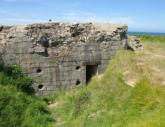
<point>130,93</point>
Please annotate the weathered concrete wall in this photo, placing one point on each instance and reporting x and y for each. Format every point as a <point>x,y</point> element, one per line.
<point>56,54</point>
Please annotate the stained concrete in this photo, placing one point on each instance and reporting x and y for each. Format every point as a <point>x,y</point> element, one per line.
<point>56,54</point>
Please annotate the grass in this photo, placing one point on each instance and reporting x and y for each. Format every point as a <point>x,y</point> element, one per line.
<point>152,38</point>
<point>18,109</point>
<point>18,105</point>
<point>129,94</point>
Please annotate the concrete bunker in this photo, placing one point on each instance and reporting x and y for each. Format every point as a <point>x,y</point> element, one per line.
<point>62,55</point>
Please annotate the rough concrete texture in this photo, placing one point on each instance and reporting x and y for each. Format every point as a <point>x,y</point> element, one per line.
<point>57,54</point>
<point>134,43</point>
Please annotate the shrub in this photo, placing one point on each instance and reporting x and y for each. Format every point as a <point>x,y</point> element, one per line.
<point>15,76</point>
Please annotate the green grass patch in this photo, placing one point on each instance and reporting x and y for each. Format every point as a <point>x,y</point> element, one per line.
<point>152,38</point>
<point>13,75</point>
<point>18,105</point>
<point>108,101</point>
<point>18,109</point>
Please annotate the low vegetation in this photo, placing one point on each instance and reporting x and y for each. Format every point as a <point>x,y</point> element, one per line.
<point>14,76</point>
<point>130,93</point>
<point>18,106</point>
<point>152,38</point>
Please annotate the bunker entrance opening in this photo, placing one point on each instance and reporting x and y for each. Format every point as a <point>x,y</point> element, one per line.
<point>91,70</point>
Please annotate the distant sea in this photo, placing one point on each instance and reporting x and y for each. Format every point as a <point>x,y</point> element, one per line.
<point>146,33</point>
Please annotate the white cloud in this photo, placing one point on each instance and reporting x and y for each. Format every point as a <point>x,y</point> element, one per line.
<point>11,14</point>
<point>14,21</point>
<point>69,17</point>
<point>90,17</point>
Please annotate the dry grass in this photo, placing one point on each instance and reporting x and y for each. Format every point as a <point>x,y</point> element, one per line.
<point>150,63</point>
<point>109,101</point>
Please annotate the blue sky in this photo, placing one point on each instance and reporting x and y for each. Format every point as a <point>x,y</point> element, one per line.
<point>139,15</point>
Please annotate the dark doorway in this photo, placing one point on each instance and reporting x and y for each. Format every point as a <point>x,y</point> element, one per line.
<point>91,70</point>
